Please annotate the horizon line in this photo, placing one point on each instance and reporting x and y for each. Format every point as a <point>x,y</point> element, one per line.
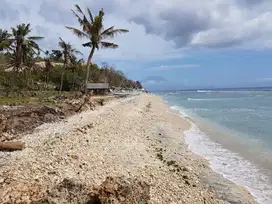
<point>215,88</point>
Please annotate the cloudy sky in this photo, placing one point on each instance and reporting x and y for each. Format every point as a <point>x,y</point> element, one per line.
<point>173,44</point>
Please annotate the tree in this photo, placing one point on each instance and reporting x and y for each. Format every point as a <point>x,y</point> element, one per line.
<point>93,30</point>
<point>75,66</point>
<point>66,53</point>
<point>5,40</point>
<point>24,47</point>
<point>138,85</point>
<point>48,67</point>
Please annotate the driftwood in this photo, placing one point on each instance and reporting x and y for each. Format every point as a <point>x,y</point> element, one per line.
<point>11,146</point>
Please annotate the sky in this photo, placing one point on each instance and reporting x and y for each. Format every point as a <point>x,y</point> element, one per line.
<point>173,44</point>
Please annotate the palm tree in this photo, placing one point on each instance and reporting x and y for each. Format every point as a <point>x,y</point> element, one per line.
<point>48,67</point>
<point>5,41</point>
<point>92,29</point>
<point>76,65</point>
<point>24,47</point>
<point>66,53</point>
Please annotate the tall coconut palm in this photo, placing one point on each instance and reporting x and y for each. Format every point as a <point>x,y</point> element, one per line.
<point>5,40</point>
<point>24,46</point>
<point>93,30</point>
<point>66,53</point>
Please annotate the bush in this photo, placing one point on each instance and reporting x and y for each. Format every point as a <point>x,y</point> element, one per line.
<point>74,78</point>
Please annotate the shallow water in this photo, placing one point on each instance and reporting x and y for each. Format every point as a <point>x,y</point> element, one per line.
<point>233,130</point>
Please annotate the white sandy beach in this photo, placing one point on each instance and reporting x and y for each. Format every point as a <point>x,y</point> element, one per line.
<point>138,137</point>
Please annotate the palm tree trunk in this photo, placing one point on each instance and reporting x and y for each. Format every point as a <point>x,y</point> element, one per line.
<point>88,68</point>
<point>46,80</point>
<point>74,76</point>
<point>61,80</point>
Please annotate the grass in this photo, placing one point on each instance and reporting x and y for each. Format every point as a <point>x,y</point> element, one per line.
<point>16,100</point>
<point>40,97</point>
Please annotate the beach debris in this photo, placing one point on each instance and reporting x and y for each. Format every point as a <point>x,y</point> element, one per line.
<point>85,128</point>
<point>11,146</point>
<point>101,101</point>
<point>5,137</point>
<point>174,167</point>
<point>112,191</point>
<point>83,107</point>
<point>26,119</point>
<point>67,191</point>
<point>186,169</point>
<point>121,191</point>
<point>148,107</point>
<point>82,130</point>
<point>88,104</point>
<point>187,182</point>
<point>73,156</point>
<point>23,192</point>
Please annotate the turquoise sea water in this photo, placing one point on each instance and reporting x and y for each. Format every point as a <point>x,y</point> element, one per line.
<point>232,128</point>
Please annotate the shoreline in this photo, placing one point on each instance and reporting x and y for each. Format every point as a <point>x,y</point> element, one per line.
<point>223,158</point>
<point>138,137</point>
<point>223,184</point>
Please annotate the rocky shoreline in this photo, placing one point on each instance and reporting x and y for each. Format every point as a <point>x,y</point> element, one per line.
<point>131,150</point>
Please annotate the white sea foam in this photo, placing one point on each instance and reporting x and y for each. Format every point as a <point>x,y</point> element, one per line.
<point>204,91</point>
<point>205,99</point>
<point>181,111</point>
<point>219,91</point>
<point>229,164</point>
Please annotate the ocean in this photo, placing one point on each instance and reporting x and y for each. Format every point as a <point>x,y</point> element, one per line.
<point>232,128</point>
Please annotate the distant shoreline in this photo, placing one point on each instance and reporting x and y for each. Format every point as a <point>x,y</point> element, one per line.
<point>269,88</point>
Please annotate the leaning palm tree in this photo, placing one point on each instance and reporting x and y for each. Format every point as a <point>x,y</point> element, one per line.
<point>92,29</point>
<point>24,47</point>
<point>65,54</point>
<point>5,40</point>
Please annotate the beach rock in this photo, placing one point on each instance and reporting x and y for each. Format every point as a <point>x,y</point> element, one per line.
<point>186,169</point>
<point>187,182</point>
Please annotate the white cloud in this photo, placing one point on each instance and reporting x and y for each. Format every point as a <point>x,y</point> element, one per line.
<point>179,66</point>
<point>159,29</point>
<point>151,82</point>
<point>213,23</point>
<point>154,80</point>
<point>265,79</point>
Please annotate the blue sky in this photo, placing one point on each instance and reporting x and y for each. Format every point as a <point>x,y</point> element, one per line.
<point>174,44</point>
<point>217,68</point>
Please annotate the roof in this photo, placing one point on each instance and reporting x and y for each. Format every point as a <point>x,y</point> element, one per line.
<point>98,86</point>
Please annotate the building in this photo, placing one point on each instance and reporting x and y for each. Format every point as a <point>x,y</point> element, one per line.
<point>98,88</point>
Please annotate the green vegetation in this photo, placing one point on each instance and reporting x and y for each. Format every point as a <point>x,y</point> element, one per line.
<point>24,66</point>
<point>65,54</point>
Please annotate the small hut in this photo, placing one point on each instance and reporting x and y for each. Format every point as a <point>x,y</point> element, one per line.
<point>98,88</point>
